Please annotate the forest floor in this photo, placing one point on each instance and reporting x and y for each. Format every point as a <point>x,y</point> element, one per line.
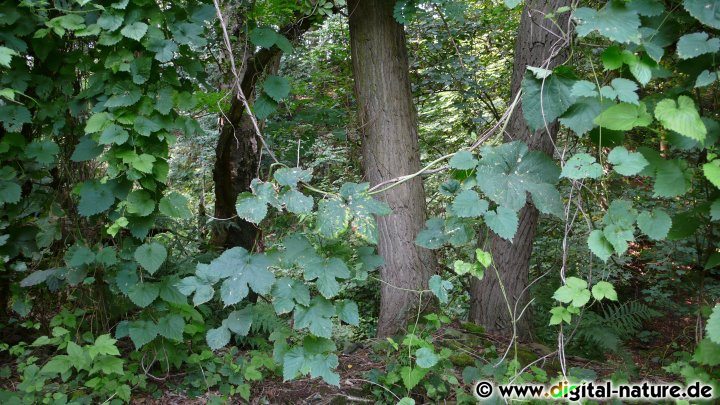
<point>356,388</point>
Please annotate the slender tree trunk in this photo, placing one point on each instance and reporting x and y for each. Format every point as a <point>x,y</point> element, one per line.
<point>539,40</point>
<point>390,149</point>
<point>239,148</point>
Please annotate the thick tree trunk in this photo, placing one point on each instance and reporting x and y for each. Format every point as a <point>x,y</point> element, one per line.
<point>390,149</point>
<point>539,40</point>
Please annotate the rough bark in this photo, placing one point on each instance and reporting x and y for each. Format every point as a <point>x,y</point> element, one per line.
<point>539,39</point>
<point>238,148</point>
<point>390,149</point>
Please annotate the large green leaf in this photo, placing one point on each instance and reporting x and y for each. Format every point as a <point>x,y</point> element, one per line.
<point>287,292</point>
<point>503,221</point>
<point>326,274</point>
<point>276,87</point>
<point>151,256</point>
<point>506,173</point>
<point>143,294</point>
<point>625,162</point>
<point>696,44</point>
<point>175,205</point>
<point>713,325</point>
<point>333,217</point>
<point>681,117</point>
<point>247,272</point>
<point>95,198</point>
<point>316,317</point>
<point>556,99</point>
<point>251,207</point>
<point>440,288</point>
<point>624,117</point>
<point>614,21</point>
<point>140,202</point>
<point>706,11</point>
<point>581,166</point>
<point>468,204</point>
<point>655,224</point>
<point>142,332</point>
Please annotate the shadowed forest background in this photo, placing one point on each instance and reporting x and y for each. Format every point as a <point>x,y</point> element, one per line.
<point>371,201</point>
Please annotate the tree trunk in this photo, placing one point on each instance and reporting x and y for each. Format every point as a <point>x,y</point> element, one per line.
<point>390,149</point>
<point>238,148</point>
<point>539,43</point>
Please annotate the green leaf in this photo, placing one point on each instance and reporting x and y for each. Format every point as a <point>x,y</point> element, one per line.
<point>86,150</point>
<point>574,292</point>
<point>655,224</point>
<point>95,198</point>
<point>556,99</point>
<point>440,288</point>
<point>175,205</point>
<point>712,172</point>
<point>78,256</point>
<point>614,21</point>
<point>104,345</point>
<point>202,288</point>
<point>57,365</point>
<point>696,44</point>
<point>136,30</point>
<point>250,207</point>
<point>291,176</point>
<point>599,245</point>
<point>276,87</point>
<point>433,235</point>
<point>42,151</point>
<point>140,202</point>
<point>463,160</point>
<point>6,55</point>
<point>712,328</point>
<point>264,37</point>
<point>287,292</point>
<point>425,357</point>
<point>468,204</point>
<point>13,117</point>
<point>326,274</point>
<point>581,166</point>
<point>624,117</point>
<point>250,272</point>
<point>506,173</point>
<point>317,317</point>
<point>110,21</point>
<point>681,117</point>
<point>670,179</point>
<point>503,221</point>
<point>625,90</point>
<point>240,321</point>
<point>707,353</point>
<point>579,117</point>
<point>97,122</point>
<point>143,294</point>
<point>151,256</point>
<point>297,202</point>
<point>584,88</point>
<point>10,192</point>
<point>108,365</point>
<point>603,289</point>
<point>333,217</point>
<point>347,311</point>
<point>706,11</point>
<point>142,333</point>
<point>627,163</point>
<point>715,210</point>
<point>218,338</point>
<point>264,106</point>
<point>612,58</point>
<point>705,78</point>
<point>411,377</point>
<point>559,315</point>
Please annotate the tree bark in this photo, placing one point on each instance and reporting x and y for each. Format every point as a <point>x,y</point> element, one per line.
<point>540,43</point>
<point>238,148</point>
<point>390,148</point>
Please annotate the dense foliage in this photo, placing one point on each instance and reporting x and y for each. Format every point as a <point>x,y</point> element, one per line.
<point>111,287</point>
